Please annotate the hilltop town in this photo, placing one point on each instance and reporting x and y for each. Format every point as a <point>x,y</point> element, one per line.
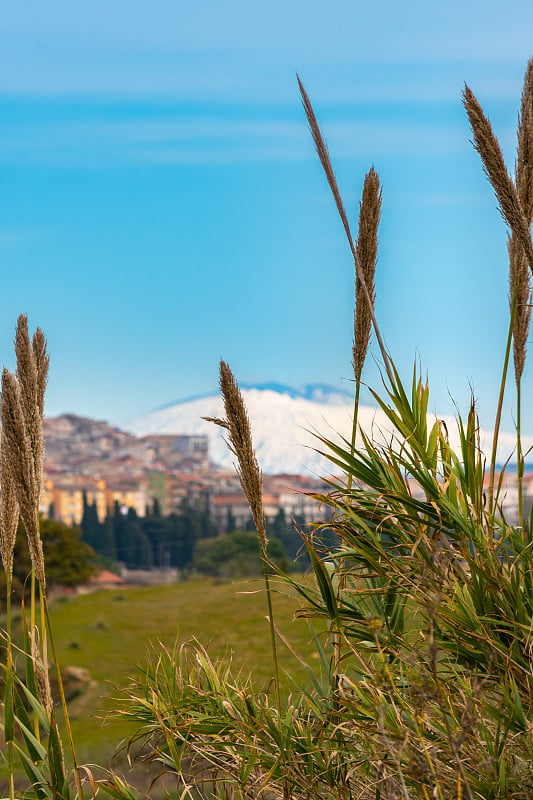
<point>90,461</point>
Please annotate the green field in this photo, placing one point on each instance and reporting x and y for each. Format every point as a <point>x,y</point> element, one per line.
<point>110,632</point>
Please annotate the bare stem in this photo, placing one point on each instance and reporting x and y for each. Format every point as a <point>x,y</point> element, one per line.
<point>354,430</point>
<point>337,639</point>
<point>497,421</point>
<point>44,603</point>
<point>239,441</point>
<point>519,454</point>
<point>33,603</point>
<point>9,682</point>
<point>323,155</point>
<point>272,632</point>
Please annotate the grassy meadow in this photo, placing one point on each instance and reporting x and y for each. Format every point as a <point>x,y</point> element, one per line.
<point>110,632</point>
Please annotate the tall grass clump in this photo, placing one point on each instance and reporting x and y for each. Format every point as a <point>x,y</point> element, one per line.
<point>239,440</point>
<point>423,686</point>
<point>519,284</point>
<point>29,724</point>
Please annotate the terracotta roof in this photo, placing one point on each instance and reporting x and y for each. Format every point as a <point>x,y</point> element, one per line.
<point>105,576</point>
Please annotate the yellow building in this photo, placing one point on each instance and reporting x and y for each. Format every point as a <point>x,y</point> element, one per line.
<point>128,495</point>
<point>63,497</point>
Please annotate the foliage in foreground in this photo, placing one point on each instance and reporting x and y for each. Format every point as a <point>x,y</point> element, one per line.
<point>427,689</point>
<point>424,685</point>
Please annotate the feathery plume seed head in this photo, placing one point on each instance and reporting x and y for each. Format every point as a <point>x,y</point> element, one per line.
<point>16,445</point>
<point>239,440</point>
<point>323,155</point>
<point>519,282</point>
<point>42,363</point>
<point>26,370</point>
<point>9,510</point>
<point>524,155</point>
<point>325,160</point>
<point>366,249</point>
<point>32,374</point>
<point>490,152</point>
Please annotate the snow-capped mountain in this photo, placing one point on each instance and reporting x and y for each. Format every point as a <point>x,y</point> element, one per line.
<point>285,422</point>
<point>282,420</point>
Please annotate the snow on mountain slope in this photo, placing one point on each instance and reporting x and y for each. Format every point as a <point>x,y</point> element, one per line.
<point>283,421</point>
<point>281,425</point>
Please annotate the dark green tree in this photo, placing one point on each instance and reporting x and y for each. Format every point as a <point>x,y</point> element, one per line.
<point>158,530</point>
<point>160,541</point>
<point>172,538</point>
<point>291,533</point>
<point>68,560</point>
<point>121,544</point>
<point>134,550</point>
<point>231,523</point>
<point>106,542</point>
<point>208,529</point>
<point>185,535</point>
<point>99,535</point>
<point>90,524</point>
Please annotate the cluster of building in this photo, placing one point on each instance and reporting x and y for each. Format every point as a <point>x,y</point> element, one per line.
<point>91,461</point>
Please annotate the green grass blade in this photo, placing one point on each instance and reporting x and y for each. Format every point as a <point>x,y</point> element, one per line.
<point>23,721</point>
<point>35,776</point>
<point>37,706</point>
<point>58,781</point>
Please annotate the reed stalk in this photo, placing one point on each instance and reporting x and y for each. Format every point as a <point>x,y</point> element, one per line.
<point>323,155</point>
<point>66,716</point>
<point>499,408</point>
<point>366,256</point>
<point>22,474</point>
<point>239,440</point>
<point>519,286</point>
<point>518,268</point>
<point>354,428</point>
<point>516,207</point>
<point>8,701</point>
<point>519,456</point>
<point>8,532</point>
<point>489,149</point>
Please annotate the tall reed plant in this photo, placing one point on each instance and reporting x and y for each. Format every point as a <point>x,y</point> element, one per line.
<point>519,282</point>
<point>239,440</point>
<point>30,728</point>
<point>423,688</point>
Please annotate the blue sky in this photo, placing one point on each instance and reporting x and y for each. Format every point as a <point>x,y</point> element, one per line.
<point>162,206</point>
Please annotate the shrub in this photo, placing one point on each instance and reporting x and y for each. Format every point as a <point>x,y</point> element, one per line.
<point>236,555</point>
